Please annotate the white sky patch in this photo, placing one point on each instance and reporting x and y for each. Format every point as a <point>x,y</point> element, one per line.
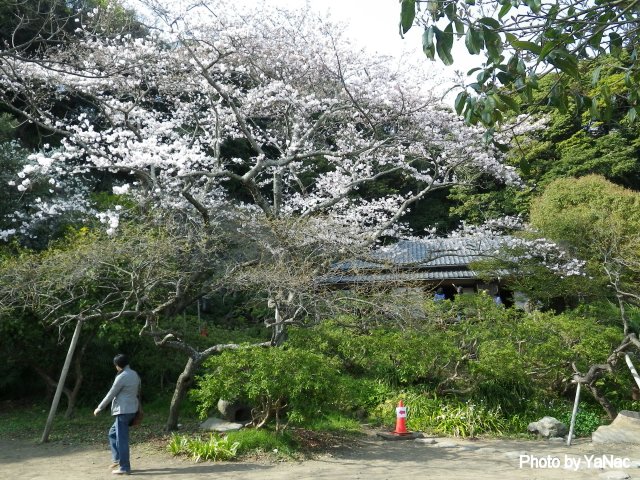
<point>374,25</point>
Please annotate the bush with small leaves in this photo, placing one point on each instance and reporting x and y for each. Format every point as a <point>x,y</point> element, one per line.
<point>277,382</point>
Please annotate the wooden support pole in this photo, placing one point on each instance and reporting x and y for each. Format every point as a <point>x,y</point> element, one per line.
<point>633,369</point>
<point>61,382</point>
<point>573,414</point>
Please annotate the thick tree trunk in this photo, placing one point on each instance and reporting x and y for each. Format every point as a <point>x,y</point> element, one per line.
<point>50,382</point>
<point>195,359</point>
<point>602,400</point>
<point>182,385</point>
<point>72,397</point>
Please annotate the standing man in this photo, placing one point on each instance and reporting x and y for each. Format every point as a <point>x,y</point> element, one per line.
<point>124,405</point>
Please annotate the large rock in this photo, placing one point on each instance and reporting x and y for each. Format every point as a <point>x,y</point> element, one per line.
<point>625,428</point>
<point>548,427</point>
<point>218,425</point>
<point>234,411</point>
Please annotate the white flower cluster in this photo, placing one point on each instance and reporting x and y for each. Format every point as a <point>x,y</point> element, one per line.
<point>500,235</point>
<point>278,103</point>
<point>111,219</point>
<point>522,125</point>
<point>122,189</point>
<point>7,234</point>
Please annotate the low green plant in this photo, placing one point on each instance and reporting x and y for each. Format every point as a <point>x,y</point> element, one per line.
<point>334,422</point>
<point>588,418</point>
<point>178,445</point>
<point>468,420</point>
<point>587,421</point>
<point>215,448</point>
<point>260,441</point>
<point>447,417</point>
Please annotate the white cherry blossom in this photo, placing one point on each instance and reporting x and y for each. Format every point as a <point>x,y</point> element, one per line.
<point>278,105</point>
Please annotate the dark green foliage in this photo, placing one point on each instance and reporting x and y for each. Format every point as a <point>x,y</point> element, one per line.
<point>570,145</point>
<point>71,271</point>
<point>32,25</point>
<point>394,358</point>
<point>470,368</point>
<point>36,349</point>
<point>527,43</point>
<point>479,203</point>
<point>588,419</point>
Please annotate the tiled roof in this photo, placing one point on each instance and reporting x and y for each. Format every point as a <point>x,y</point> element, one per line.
<point>415,260</point>
<point>437,252</point>
<point>402,277</point>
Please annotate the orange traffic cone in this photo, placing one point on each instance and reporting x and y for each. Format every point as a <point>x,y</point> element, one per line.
<point>401,420</point>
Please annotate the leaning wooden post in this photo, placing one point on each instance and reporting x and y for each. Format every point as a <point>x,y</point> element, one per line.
<point>633,369</point>
<point>61,382</point>
<point>573,414</point>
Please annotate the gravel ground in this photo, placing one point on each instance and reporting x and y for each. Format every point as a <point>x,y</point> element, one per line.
<point>371,458</point>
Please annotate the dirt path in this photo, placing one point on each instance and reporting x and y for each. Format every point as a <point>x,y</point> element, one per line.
<point>371,459</point>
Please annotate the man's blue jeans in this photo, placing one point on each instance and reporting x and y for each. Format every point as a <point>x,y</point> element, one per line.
<point>119,440</point>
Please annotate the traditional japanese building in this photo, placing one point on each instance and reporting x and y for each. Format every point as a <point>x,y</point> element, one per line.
<point>428,264</point>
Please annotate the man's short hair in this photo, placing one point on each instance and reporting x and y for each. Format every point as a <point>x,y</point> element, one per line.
<point>121,360</point>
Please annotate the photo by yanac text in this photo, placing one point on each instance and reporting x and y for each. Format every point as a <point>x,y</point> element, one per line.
<point>574,462</point>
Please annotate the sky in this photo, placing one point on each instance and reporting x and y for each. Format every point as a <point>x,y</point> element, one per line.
<point>373,24</point>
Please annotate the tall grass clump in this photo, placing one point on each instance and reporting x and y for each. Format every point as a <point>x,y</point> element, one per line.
<point>250,441</point>
<point>334,422</point>
<point>446,417</point>
<point>259,441</point>
<point>214,448</point>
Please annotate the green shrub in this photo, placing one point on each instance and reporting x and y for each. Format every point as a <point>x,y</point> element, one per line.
<point>274,381</point>
<point>587,420</point>
<point>396,358</point>
<point>503,359</point>
<point>364,394</point>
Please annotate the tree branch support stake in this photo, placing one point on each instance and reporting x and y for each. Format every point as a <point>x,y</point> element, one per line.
<point>636,377</point>
<point>61,382</point>
<point>573,414</point>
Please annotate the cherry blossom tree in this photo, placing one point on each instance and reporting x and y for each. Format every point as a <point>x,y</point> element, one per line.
<point>279,107</point>
<point>269,121</point>
<point>248,116</point>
